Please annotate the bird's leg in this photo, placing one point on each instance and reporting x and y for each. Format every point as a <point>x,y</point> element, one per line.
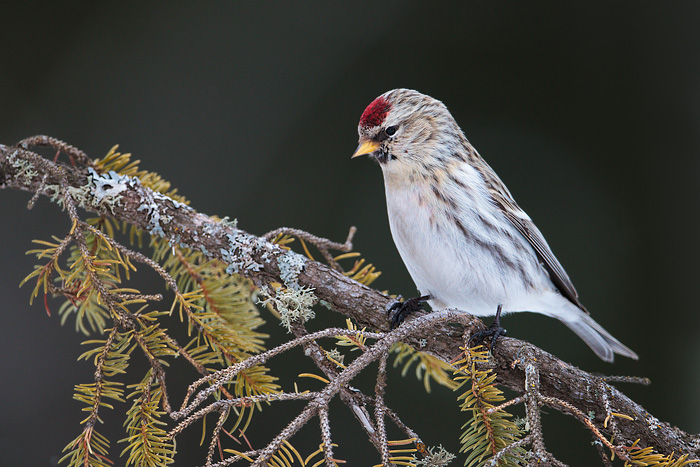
<point>398,311</point>
<point>494,331</point>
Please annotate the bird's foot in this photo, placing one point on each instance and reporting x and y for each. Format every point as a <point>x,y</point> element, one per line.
<point>398,311</point>
<point>494,331</point>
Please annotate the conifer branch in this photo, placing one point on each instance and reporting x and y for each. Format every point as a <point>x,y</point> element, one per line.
<point>125,199</point>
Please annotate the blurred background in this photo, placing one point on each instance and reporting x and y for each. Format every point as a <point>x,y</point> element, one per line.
<point>589,112</point>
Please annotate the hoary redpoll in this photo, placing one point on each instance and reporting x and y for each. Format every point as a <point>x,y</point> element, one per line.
<point>464,240</point>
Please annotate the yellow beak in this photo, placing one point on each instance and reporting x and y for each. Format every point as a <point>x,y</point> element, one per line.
<point>368,147</point>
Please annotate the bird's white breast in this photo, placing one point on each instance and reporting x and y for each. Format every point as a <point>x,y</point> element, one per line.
<point>458,270</point>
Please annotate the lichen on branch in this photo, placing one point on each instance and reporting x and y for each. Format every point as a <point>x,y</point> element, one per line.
<point>214,270</point>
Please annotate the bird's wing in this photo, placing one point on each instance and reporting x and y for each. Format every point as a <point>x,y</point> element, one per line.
<point>522,222</point>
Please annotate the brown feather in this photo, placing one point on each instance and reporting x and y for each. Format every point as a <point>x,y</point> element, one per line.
<point>521,221</point>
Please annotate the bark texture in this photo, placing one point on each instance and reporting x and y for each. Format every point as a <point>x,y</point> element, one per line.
<point>127,200</point>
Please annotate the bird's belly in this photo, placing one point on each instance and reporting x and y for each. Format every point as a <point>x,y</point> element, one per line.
<point>458,271</point>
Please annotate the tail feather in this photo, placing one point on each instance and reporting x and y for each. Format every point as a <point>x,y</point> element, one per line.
<point>598,339</point>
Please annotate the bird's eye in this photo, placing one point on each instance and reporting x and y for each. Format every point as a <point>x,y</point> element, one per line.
<point>391,130</point>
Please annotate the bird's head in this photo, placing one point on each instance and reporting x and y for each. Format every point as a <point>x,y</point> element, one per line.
<point>403,126</point>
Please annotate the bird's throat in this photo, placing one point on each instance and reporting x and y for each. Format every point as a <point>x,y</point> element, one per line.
<point>383,156</point>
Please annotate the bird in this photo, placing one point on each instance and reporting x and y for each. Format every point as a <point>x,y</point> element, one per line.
<point>464,240</point>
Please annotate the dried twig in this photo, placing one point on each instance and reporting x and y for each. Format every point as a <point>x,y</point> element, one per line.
<point>322,244</point>
<point>265,263</point>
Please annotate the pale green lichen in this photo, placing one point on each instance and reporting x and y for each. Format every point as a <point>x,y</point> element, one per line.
<point>291,265</point>
<point>25,170</point>
<point>153,205</point>
<point>293,305</point>
<point>54,191</point>
<point>81,195</point>
<point>229,223</point>
<point>108,186</point>
<point>238,254</point>
<point>102,190</point>
<point>437,457</point>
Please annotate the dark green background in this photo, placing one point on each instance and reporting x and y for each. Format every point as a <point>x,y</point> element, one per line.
<point>589,111</point>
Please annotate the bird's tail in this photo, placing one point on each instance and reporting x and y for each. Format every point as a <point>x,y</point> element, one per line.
<point>598,339</point>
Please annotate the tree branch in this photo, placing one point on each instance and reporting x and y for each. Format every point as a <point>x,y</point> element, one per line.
<point>125,199</point>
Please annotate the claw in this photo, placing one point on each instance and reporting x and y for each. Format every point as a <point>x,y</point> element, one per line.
<point>398,311</point>
<point>494,331</point>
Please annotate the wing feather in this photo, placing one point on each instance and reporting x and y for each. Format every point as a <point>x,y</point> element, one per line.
<point>522,222</point>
